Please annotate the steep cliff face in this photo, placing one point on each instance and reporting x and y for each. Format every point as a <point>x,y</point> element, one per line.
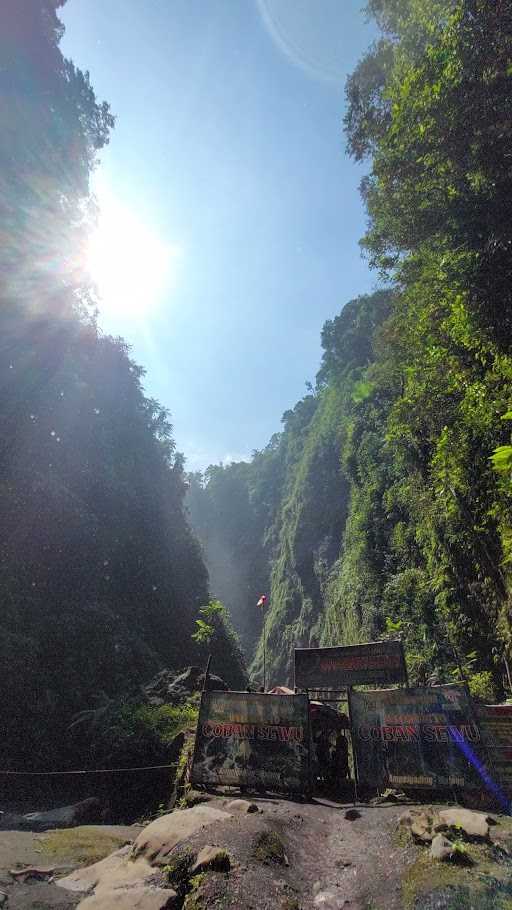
<point>358,520</point>
<point>311,521</point>
<point>277,523</point>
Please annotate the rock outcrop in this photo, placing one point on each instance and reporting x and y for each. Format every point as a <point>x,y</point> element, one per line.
<point>473,824</point>
<point>87,812</point>
<point>156,842</point>
<point>425,823</point>
<point>212,858</point>
<point>132,878</point>
<point>242,805</point>
<point>441,848</point>
<point>173,687</point>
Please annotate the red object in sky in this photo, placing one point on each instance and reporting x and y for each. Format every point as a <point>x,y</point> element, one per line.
<point>262,601</point>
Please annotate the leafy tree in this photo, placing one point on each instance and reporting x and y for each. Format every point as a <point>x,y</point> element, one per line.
<point>432,123</point>
<point>217,637</point>
<point>100,575</point>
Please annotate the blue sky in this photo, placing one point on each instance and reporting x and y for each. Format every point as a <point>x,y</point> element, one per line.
<point>228,150</point>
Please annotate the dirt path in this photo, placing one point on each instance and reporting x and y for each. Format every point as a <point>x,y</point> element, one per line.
<point>331,862</point>
<point>352,860</point>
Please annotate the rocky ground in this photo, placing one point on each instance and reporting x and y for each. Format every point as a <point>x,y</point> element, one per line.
<point>271,853</point>
<point>47,857</point>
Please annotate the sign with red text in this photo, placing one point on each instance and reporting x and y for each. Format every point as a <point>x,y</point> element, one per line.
<point>418,738</point>
<point>253,740</point>
<point>350,665</point>
<point>495,722</point>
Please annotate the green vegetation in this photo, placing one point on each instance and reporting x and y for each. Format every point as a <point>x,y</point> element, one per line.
<point>208,889</point>
<point>457,886</point>
<point>382,508</point>
<point>290,903</point>
<point>194,900</point>
<point>84,845</point>
<point>100,576</point>
<point>202,889</point>
<point>215,636</point>
<point>122,730</point>
<point>179,868</point>
<point>268,848</point>
<point>384,505</point>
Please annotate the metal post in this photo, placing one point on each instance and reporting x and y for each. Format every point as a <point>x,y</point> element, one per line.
<point>507,668</point>
<point>264,651</point>
<point>207,674</point>
<point>354,756</point>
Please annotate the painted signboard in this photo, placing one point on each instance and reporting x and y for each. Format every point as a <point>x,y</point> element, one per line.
<point>418,738</point>
<point>253,740</point>
<point>495,722</point>
<point>350,665</point>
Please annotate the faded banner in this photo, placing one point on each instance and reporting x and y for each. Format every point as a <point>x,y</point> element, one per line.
<point>495,723</point>
<point>246,739</point>
<point>350,665</point>
<point>416,738</point>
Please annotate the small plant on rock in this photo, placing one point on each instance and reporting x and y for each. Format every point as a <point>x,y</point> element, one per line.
<point>178,870</point>
<point>268,848</point>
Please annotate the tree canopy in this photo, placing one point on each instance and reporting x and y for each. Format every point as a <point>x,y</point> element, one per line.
<point>393,512</point>
<point>101,578</point>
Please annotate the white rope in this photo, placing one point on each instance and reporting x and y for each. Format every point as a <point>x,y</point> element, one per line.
<point>95,771</point>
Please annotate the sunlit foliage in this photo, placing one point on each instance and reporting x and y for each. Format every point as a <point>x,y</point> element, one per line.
<point>395,499</point>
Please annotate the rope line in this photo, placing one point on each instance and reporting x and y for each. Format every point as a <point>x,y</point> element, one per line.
<point>87,771</point>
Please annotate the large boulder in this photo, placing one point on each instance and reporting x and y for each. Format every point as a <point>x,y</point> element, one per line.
<point>212,858</point>
<point>113,868</point>
<point>441,848</point>
<point>118,882</point>
<point>242,805</point>
<point>86,812</point>
<point>132,877</point>
<point>137,897</point>
<point>174,686</point>
<point>420,823</point>
<point>425,823</point>
<point>157,840</point>
<point>475,825</point>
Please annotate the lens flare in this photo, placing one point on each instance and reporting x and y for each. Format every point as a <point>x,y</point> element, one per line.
<point>130,264</point>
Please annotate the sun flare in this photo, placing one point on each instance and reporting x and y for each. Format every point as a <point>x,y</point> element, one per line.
<point>131,266</point>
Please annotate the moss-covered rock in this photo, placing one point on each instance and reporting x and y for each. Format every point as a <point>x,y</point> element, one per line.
<point>290,903</point>
<point>193,797</point>
<point>269,848</point>
<point>484,881</point>
<point>208,890</point>
<point>179,869</point>
<point>212,858</point>
<point>81,846</point>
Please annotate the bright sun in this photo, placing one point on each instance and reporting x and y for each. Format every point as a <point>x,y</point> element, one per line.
<point>129,263</point>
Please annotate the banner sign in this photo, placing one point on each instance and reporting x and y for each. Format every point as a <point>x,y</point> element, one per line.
<point>350,665</point>
<point>256,740</point>
<point>495,722</point>
<point>416,738</point>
